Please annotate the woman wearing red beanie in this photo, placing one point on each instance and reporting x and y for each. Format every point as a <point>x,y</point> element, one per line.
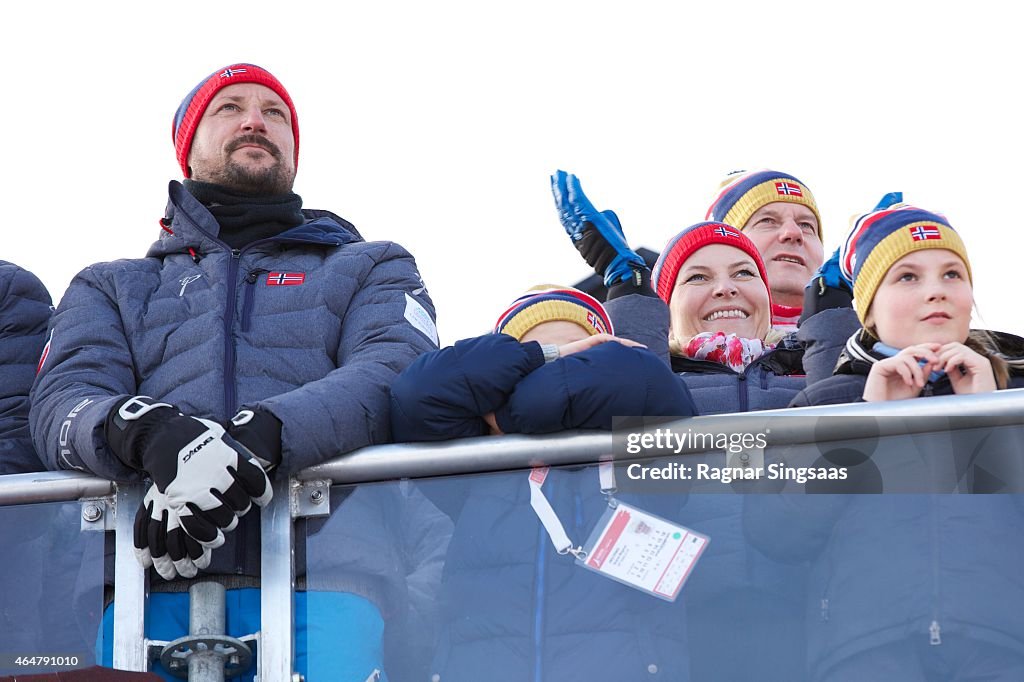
<point>709,298</point>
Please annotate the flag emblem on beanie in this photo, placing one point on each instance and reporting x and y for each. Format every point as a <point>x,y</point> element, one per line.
<point>788,189</point>
<point>741,196</point>
<point>190,111</point>
<point>285,279</point>
<point>596,322</point>
<point>551,303</point>
<point>689,241</point>
<point>882,237</point>
<point>922,232</point>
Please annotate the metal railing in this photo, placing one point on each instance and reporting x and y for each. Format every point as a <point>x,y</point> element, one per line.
<point>305,494</point>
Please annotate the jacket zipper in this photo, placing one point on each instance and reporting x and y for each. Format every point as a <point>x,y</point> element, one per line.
<point>741,386</point>
<point>250,295</point>
<point>579,513</point>
<point>229,319</point>
<point>229,342</point>
<point>826,590</point>
<point>934,629</point>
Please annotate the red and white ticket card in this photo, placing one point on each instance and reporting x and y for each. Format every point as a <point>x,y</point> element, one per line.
<point>643,551</point>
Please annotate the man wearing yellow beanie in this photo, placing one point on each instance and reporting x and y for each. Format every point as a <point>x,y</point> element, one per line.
<point>778,213</point>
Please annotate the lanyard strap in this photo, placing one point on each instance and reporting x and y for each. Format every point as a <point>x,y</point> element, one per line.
<point>546,513</point>
<point>542,508</point>
<point>606,474</point>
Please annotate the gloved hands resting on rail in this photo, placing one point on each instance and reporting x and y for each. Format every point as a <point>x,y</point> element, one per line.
<point>204,477</point>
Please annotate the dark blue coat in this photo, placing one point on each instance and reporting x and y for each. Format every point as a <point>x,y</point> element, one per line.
<point>768,383</point>
<point>823,336</point>
<point>513,609</point>
<point>736,597</point>
<point>889,568</point>
<point>846,385</point>
<point>445,394</point>
<point>894,567</point>
<point>739,594</point>
<point>24,313</point>
<point>211,333</point>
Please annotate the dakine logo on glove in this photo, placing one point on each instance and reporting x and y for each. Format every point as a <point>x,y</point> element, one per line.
<point>196,449</point>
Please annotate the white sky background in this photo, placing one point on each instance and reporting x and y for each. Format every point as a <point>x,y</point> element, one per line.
<point>437,124</point>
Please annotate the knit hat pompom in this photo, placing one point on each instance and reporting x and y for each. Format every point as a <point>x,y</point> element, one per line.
<point>880,238</point>
<point>693,238</point>
<point>192,108</point>
<point>551,303</point>
<point>743,193</point>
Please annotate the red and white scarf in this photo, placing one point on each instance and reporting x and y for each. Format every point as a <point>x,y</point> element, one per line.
<point>730,350</point>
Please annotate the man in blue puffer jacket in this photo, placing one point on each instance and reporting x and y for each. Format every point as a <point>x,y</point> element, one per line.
<point>513,608</point>
<point>254,335</point>
<point>24,313</point>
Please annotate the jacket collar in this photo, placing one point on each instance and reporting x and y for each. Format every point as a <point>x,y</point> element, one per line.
<point>189,225</point>
<point>857,356</point>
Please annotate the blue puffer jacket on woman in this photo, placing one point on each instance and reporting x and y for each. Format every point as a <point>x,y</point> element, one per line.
<point>512,608</point>
<point>739,590</point>
<point>24,313</point>
<point>743,608</point>
<point>768,383</point>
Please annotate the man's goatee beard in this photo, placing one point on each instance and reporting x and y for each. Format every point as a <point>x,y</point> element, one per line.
<point>264,181</point>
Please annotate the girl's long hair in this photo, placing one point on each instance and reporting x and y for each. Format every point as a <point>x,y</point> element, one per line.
<point>985,344</point>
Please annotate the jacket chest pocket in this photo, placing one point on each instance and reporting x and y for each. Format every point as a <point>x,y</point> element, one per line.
<point>285,309</point>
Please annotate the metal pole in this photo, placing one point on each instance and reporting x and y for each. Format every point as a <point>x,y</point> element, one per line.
<point>789,426</point>
<point>130,584</point>
<point>52,486</point>
<point>277,608</point>
<point>206,616</point>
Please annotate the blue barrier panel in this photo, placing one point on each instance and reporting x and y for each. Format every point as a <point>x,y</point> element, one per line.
<point>863,548</point>
<point>371,572</point>
<point>51,588</point>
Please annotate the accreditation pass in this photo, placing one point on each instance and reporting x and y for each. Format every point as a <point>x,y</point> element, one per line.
<point>643,551</point>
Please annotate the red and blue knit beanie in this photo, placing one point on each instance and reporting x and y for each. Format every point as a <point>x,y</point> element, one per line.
<point>743,194</point>
<point>687,242</point>
<point>880,238</point>
<point>188,115</point>
<point>551,303</point>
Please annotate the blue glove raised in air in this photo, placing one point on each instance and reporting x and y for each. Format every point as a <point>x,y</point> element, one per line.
<point>830,287</point>
<point>830,275</point>
<point>888,200</point>
<point>597,235</point>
